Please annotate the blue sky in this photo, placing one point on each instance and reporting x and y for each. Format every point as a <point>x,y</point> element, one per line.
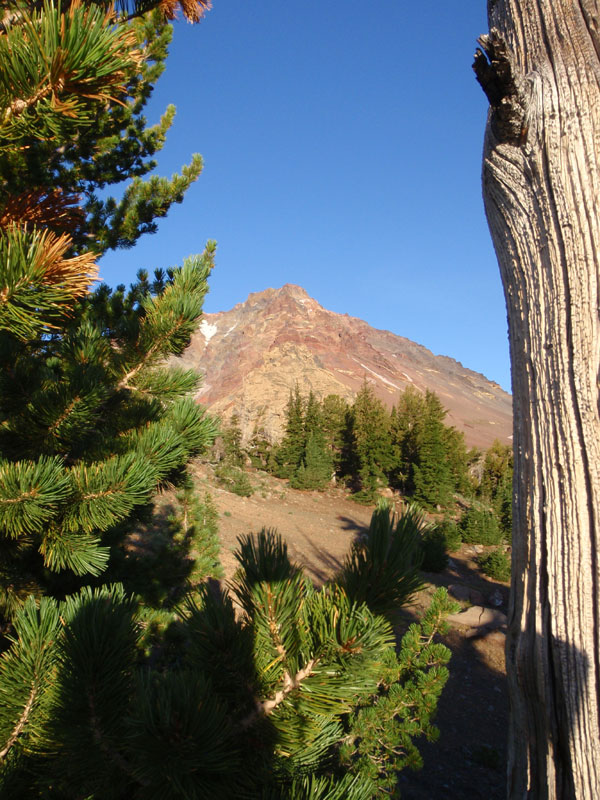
<point>342,145</point>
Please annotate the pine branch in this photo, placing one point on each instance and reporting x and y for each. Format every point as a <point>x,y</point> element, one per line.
<point>21,722</point>
<point>106,492</point>
<point>38,285</point>
<point>144,201</point>
<point>193,10</point>
<point>54,427</point>
<point>26,672</point>
<point>31,495</point>
<point>80,553</point>
<point>165,384</point>
<point>274,605</point>
<point>150,354</point>
<point>171,317</point>
<point>290,683</point>
<point>57,66</point>
<point>382,568</point>
<point>43,208</point>
<point>128,10</point>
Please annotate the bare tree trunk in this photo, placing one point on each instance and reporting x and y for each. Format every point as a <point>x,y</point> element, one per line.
<point>541,179</point>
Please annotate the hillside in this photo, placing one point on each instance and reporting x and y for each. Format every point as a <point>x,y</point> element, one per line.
<point>252,355</point>
<point>319,527</point>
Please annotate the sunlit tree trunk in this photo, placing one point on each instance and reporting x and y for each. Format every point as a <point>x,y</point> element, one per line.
<point>540,69</point>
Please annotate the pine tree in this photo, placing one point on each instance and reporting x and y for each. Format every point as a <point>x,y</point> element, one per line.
<point>432,477</point>
<point>260,449</point>
<point>430,460</point>
<point>335,412</point>
<point>504,505</point>
<point>231,473</point>
<point>496,483</point>
<point>371,440</point>
<point>403,707</point>
<point>92,422</point>
<point>404,424</point>
<point>457,457</point>
<point>313,416</point>
<point>196,524</point>
<point>497,465</point>
<point>291,449</point>
<point>232,442</point>
<point>315,468</point>
<point>480,526</point>
<point>92,426</point>
<point>57,155</point>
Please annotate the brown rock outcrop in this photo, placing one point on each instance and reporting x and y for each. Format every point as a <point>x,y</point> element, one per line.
<point>252,355</point>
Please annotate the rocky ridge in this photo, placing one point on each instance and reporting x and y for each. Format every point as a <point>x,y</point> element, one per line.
<point>252,355</point>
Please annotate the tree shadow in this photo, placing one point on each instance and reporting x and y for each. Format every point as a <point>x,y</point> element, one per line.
<point>349,524</point>
<point>320,568</point>
<point>554,741</point>
<point>154,560</point>
<point>469,758</point>
<point>460,571</point>
<point>322,565</point>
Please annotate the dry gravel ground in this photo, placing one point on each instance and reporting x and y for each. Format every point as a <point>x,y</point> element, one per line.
<point>468,760</point>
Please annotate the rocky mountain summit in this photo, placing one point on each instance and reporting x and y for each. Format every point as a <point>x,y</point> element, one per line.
<point>252,355</point>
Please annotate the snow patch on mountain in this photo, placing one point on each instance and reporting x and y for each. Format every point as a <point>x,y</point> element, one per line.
<point>207,330</point>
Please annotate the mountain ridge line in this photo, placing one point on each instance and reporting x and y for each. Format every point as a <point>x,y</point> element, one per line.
<point>253,355</point>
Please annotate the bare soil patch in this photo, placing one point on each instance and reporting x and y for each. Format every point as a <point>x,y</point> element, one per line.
<point>469,759</point>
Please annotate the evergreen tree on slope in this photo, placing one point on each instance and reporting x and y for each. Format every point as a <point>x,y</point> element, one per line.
<point>371,440</point>
<point>315,468</point>
<point>334,414</point>
<point>291,449</point>
<point>405,419</point>
<point>432,477</point>
<point>496,482</point>
<point>457,457</point>
<point>92,422</point>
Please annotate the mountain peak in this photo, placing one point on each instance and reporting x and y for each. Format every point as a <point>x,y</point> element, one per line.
<point>288,290</point>
<point>293,290</point>
<point>254,354</point>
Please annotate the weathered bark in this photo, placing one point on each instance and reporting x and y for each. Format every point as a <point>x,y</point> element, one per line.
<point>541,73</point>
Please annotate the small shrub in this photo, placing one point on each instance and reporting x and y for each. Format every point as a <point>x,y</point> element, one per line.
<point>433,547</point>
<point>202,519</point>
<point>366,497</point>
<point>451,533</point>
<point>479,526</point>
<point>234,480</point>
<point>496,565</point>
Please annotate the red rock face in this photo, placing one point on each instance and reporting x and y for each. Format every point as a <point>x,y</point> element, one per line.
<point>254,354</point>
